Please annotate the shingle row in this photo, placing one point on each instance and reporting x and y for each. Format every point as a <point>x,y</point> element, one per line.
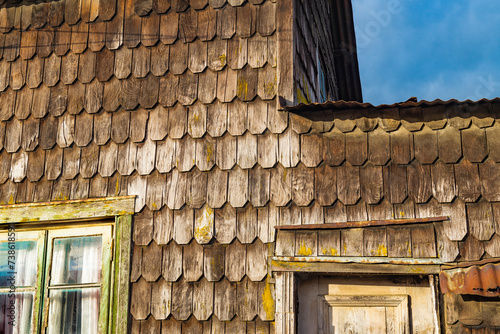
<point>25,38</point>
<point>193,326</point>
<point>194,260</point>
<point>182,299</point>
<point>92,95</point>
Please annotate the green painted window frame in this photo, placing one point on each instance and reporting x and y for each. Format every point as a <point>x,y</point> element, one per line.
<point>91,212</point>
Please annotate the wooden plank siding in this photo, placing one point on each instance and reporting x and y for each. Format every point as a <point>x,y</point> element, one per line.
<point>176,104</point>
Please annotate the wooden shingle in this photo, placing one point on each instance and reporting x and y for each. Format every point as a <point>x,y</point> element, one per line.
<point>246,299</point>
<point>213,263</point>
<point>183,225</point>
<point>325,178</point>
<point>401,150</point>
<point>456,228</point>
<point>474,144</point>
<point>259,184</point>
<point>172,262</point>
<point>58,99</point>
<point>140,299</point>
<point>182,299</point>
<point>372,183</point>
<point>111,97</point>
<point>34,72</point>
<point>18,69</point>
<point>225,224</point>
<point>480,219</point>
<point>152,256</point>
<point>247,228</point>
<point>419,182</point>
<point>203,299</point>
<point>79,38</point>
<point>97,33</point>
<point>224,300</point>
<point>449,144</point>
<point>163,228</point>
<point>467,180</point>
<point>36,165</point>
<point>235,265</point>
<point>303,185</point>
<point>443,182</point>
<point>217,54</point>
<point>348,185</point>
<point>149,91</point>
<point>161,299</point>
<point>192,261</point>
<point>204,225</point>
<point>225,156</point>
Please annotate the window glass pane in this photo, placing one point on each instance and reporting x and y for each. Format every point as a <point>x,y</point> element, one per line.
<point>16,312</point>
<point>77,260</point>
<point>24,261</point>
<point>74,311</point>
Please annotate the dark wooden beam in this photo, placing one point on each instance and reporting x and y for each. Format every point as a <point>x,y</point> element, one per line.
<point>369,223</point>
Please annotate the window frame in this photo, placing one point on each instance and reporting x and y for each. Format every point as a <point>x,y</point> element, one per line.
<point>107,232</point>
<point>39,236</point>
<point>71,214</point>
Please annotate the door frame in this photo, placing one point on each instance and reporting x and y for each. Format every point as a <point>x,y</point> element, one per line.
<point>286,285</point>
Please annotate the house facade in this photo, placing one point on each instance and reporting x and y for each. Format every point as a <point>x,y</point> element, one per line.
<point>174,166</point>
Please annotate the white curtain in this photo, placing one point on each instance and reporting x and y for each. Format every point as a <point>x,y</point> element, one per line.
<point>75,261</point>
<point>25,268</point>
<point>90,298</point>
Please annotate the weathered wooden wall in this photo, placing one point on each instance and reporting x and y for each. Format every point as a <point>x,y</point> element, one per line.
<point>166,100</point>
<point>175,102</point>
<point>314,70</point>
<point>409,160</point>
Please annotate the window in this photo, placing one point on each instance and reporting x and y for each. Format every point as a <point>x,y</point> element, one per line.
<point>56,279</point>
<point>66,276</point>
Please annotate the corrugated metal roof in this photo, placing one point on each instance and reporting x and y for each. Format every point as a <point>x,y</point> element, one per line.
<point>341,105</point>
<point>475,280</point>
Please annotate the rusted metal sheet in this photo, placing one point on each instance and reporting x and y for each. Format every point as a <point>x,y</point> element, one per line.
<point>475,280</point>
<point>343,105</point>
<point>369,223</point>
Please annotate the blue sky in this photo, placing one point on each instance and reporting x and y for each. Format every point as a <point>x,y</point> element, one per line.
<point>428,48</point>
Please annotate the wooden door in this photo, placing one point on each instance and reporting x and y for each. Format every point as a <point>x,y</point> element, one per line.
<point>370,304</point>
<point>363,314</point>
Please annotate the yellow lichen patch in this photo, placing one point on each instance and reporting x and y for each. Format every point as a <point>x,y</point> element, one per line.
<point>270,87</point>
<point>59,197</point>
<point>304,250</point>
<point>11,199</point>
<point>210,151</point>
<point>242,88</point>
<point>117,186</point>
<point>268,301</point>
<point>417,270</point>
<point>381,251</point>
<point>204,225</point>
<point>284,174</point>
<point>222,59</point>
<point>329,251</point>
